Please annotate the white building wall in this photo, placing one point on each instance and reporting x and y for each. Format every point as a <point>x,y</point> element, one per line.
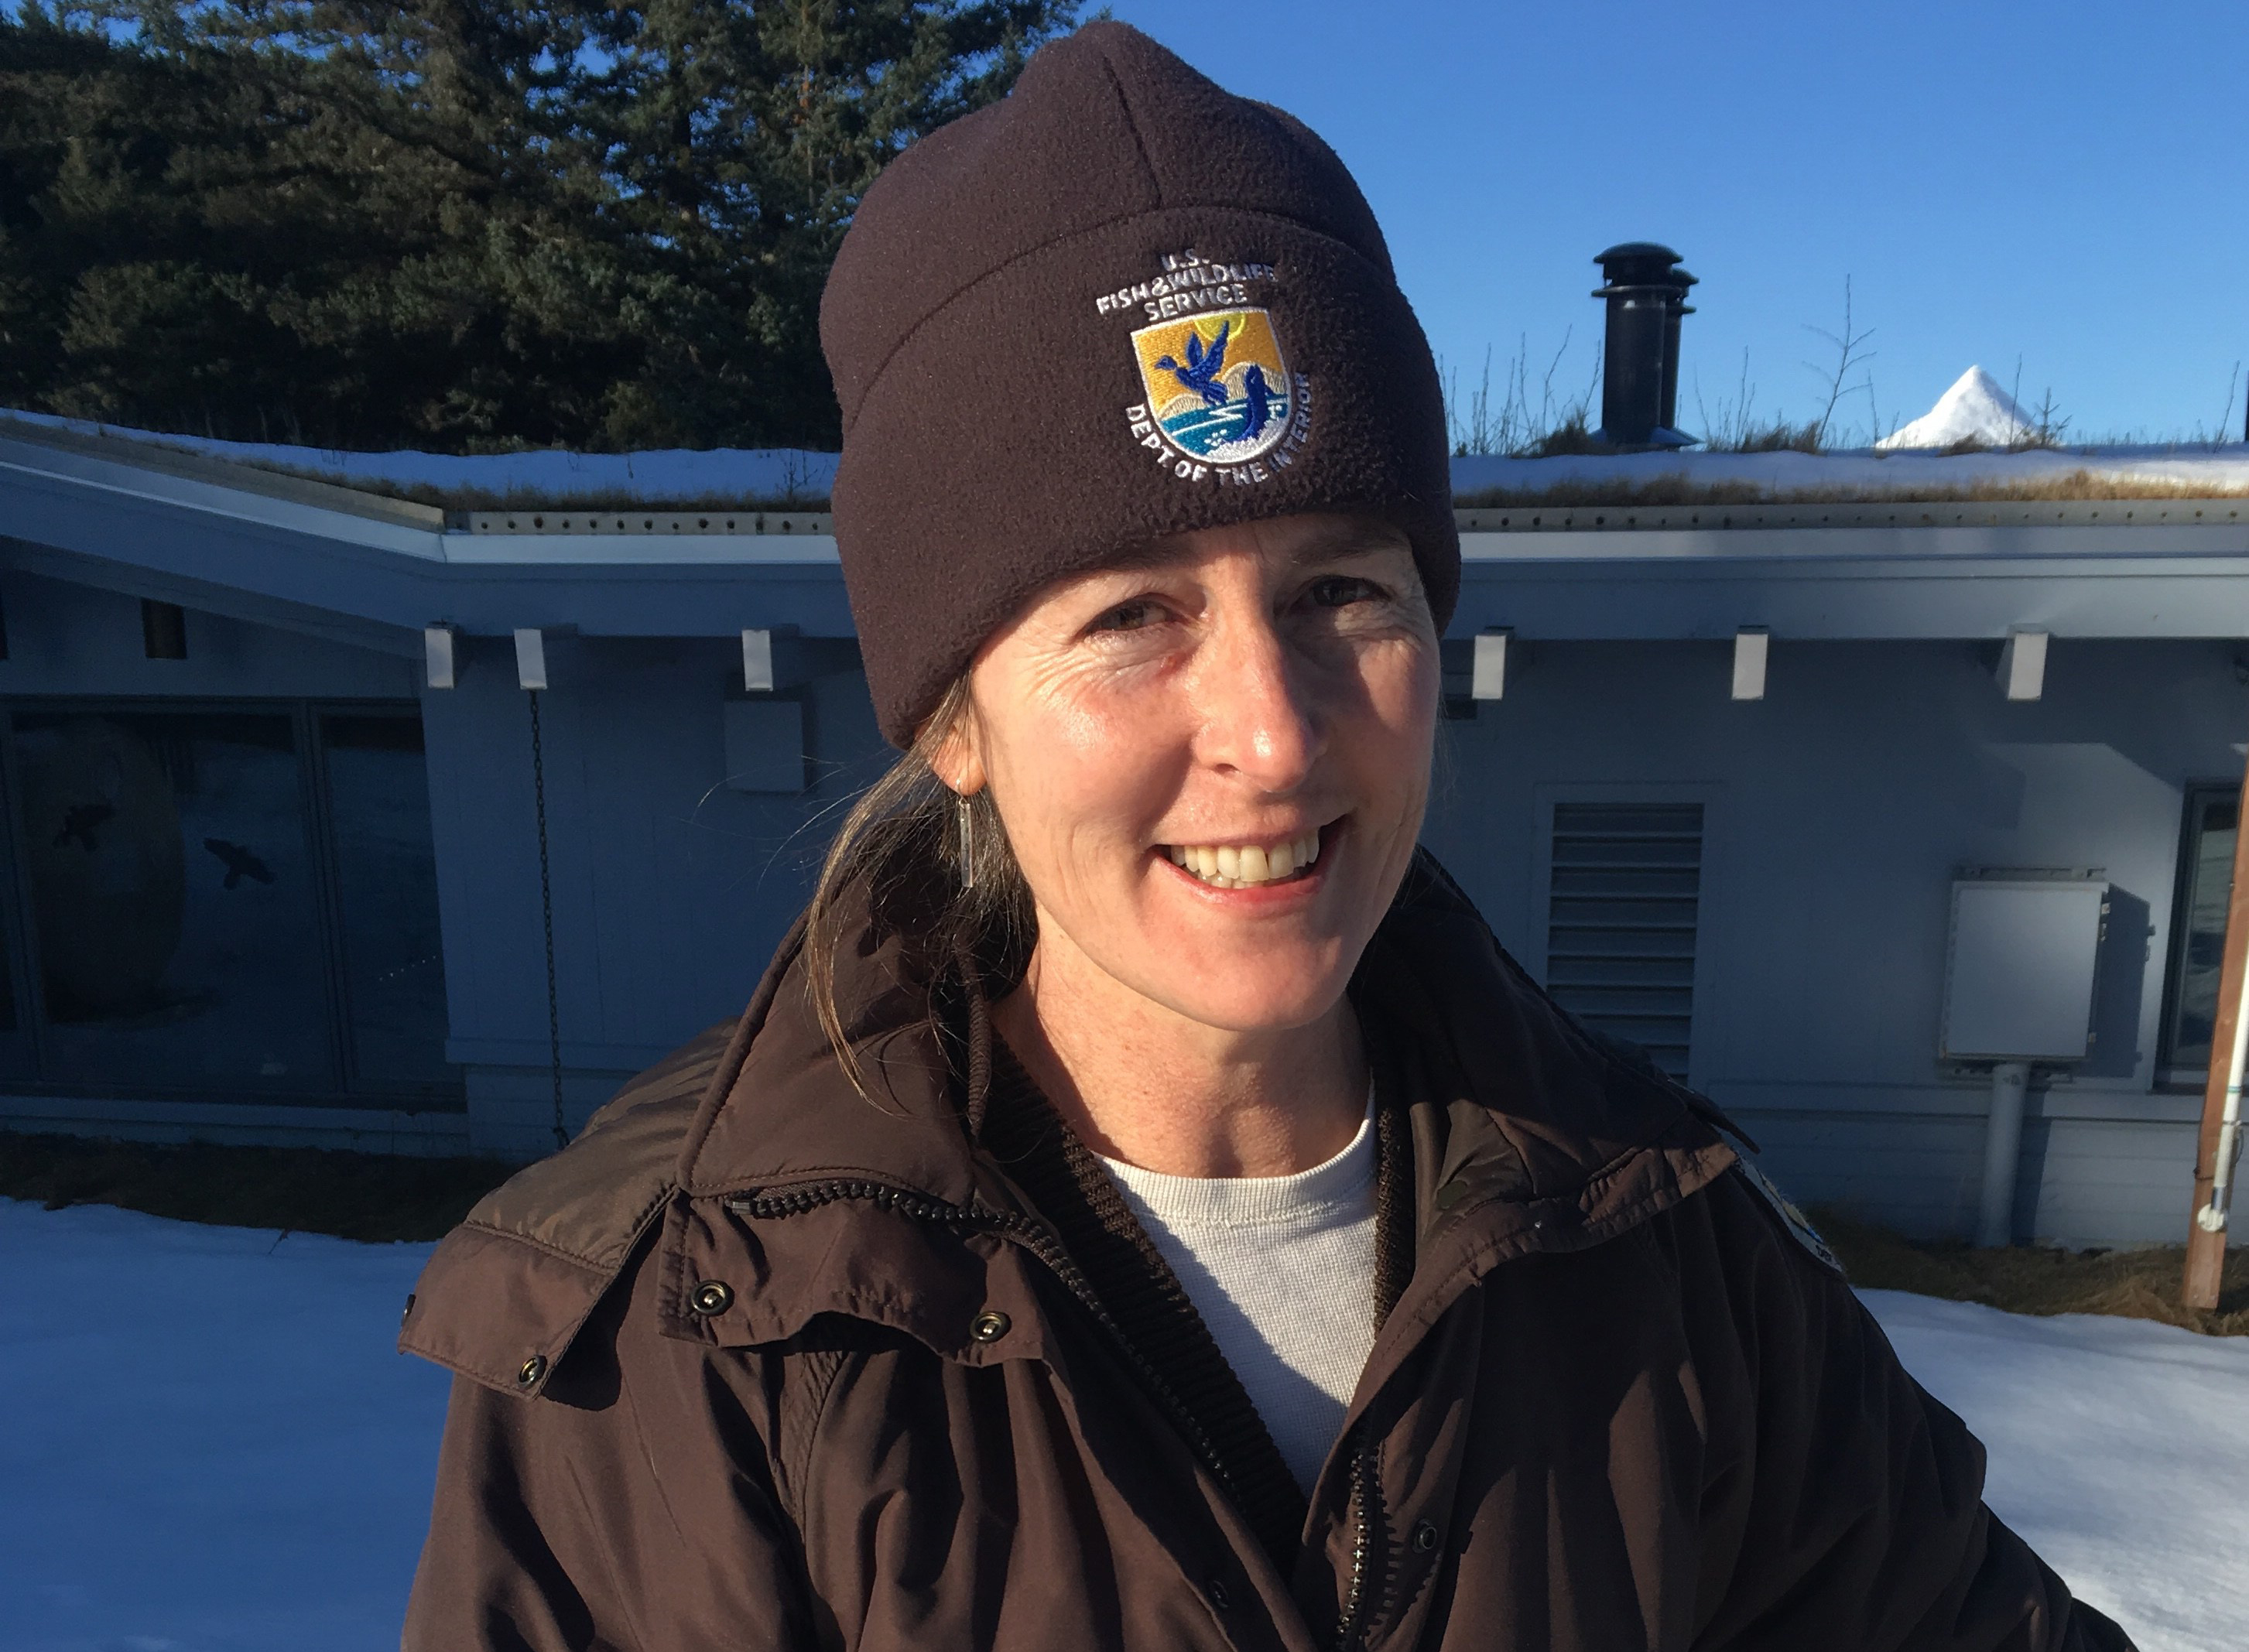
<point>1837,810</point>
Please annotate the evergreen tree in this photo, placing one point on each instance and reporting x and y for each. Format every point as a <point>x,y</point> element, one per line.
<point>456,225</point>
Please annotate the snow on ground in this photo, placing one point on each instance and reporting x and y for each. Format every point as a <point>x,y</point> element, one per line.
<point>2119,1449</point>
<point>211,1446</point>
<point>773,472</point>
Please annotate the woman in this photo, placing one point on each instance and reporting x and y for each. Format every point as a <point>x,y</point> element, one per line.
<point>1142,1207</point>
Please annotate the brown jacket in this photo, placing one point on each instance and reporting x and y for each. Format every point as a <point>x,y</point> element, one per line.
<point>755,1363</point>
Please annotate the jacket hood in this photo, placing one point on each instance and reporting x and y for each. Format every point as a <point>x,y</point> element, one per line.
<point>1528,1134</point>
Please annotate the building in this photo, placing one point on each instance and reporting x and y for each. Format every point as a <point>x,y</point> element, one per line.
<point>285,835</point>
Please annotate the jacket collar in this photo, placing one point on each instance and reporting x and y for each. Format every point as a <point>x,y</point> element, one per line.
<point>1514,1103</point>
<point>1527,1135</point>
<point>783,1114</point>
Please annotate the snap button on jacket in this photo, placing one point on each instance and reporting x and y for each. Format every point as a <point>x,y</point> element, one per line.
<point>812,1372</point>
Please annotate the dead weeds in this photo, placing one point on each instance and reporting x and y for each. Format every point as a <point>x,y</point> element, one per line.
<point>2140,1283</point>
<point>382,1198</point>
<point>377,1198</point>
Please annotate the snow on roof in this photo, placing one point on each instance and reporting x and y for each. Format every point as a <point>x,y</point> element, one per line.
<point>542,474</point>
<point>1974,409</point>
<point>801,479</point>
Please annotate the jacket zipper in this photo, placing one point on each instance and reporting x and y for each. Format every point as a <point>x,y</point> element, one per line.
<point>1032,1238</point>
<point>1350,1622</point>
<point>1365,1487</point>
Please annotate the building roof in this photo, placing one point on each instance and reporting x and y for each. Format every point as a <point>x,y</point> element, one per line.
<point>218,535</point>
<point>788,479</point>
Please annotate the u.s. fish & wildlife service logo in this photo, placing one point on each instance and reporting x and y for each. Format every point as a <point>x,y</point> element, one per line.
<point>1217,386</point>
<point>1222,405</point>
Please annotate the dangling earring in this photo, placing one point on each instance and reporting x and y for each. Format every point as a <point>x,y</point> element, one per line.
<point>967,841</point>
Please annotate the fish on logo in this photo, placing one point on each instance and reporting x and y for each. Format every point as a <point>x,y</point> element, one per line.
<point>1217,386</point>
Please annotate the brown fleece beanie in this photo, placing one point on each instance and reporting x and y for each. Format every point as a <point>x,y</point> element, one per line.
<point>1118,303</point>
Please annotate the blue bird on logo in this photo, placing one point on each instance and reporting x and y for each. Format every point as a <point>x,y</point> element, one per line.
<point>1201,373</point>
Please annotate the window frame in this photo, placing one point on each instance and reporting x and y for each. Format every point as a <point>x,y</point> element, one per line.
<point>26,1053</point>
<point>2169,1075</point>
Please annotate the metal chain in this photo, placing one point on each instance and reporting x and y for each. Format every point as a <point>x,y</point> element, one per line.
<point>546,915</point>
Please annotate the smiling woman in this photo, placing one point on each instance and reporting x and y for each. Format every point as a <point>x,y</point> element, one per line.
<point>1161,738</point>
<point>1142,1207</point>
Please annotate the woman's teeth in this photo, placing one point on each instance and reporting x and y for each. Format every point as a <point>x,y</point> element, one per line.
<point>1237,868</point>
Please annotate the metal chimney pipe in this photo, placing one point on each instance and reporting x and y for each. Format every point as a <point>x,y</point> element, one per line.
<point>1679,307</point>
<point>1646,296</point>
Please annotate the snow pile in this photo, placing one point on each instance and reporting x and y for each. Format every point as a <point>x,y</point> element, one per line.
<point>213,1448</point>
<point>1974,409</point>
<point>546,474</point>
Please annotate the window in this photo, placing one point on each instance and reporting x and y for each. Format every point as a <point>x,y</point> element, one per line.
<point>237,900</point>
<point>394,964</point>
<point>2205,885</point>
<point>1625,885</point>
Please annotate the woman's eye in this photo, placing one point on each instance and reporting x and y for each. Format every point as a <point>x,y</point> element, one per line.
<point>1340,590</point>
<point>1128,616</point>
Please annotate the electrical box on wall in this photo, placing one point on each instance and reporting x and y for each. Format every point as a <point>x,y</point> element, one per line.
<point>765,745</point>
<point>2020,967</point>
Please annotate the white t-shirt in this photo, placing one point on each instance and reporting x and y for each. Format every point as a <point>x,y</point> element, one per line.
<point>1281,1269</point>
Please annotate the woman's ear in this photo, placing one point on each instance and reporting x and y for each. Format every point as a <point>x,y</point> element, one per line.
<point>959,758</point>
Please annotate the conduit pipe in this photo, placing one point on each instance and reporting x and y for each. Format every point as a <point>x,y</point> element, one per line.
<point>2218,1143</point>
<point>2003,1153</point>
<point>2212,1217</point>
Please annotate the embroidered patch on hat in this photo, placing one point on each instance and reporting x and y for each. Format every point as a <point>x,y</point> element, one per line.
<point>1221,405</point>
<point>1217,386</point>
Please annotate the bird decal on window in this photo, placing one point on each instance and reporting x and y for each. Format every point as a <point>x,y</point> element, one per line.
<point>1203,367</point>
<point>78,822</point>
<point>239,862</point>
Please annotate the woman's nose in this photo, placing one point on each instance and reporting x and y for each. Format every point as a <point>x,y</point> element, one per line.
<point>1258,718</point>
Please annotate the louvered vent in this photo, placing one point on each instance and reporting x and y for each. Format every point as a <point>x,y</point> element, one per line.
<point>1621,923</point>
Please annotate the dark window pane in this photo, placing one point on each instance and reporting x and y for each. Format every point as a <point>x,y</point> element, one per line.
<point>2205,886</point>
<point>387,892</point>
<point>8,1048</point>
<point>176,916</point>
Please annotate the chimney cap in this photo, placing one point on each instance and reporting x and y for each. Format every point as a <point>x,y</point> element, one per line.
<point>1642,269</point>
<point>1637,250</point>
<point>1642,264</point>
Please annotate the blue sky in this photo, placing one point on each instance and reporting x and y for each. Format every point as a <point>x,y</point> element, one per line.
<point>2064,183</point>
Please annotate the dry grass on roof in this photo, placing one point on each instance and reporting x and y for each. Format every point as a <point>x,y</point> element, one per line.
<point>1677,488</point>
<point>614,502</point>
<point>1671,488</point>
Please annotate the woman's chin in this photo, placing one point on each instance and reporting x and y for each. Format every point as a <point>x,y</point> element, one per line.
<point>1258,1000</point>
